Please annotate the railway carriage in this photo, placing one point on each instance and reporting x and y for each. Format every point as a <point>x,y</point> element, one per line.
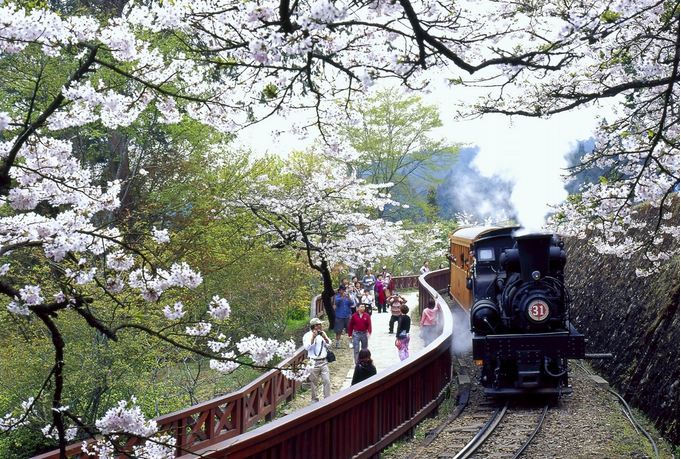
<point>513,288</point>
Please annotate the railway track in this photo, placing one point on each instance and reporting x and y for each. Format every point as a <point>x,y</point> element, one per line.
<point>491,429</point>
<point>506,434</point>
<point>577,426</point>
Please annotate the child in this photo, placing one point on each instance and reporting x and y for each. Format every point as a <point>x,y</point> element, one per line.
<point>429,322</point>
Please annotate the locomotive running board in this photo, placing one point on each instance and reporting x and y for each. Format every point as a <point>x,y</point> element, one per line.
<point>530,346</point>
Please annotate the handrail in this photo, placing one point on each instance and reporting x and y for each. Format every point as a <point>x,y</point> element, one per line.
<point>360,421</point>
<point>207,424</point>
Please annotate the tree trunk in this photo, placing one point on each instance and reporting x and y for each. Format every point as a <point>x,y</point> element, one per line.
<point>328,293</point>
<point>119,148</point>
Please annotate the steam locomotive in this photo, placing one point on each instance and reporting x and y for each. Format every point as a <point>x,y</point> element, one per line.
<point>514,289</point>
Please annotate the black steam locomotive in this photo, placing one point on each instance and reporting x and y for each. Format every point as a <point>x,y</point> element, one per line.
<point>520,315</point>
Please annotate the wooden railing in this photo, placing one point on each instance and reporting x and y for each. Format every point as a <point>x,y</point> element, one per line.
<point>221,418</point>
<point>362,420</point>
<point>386,406</point>
<point>226,416</point>
<point>406,282</point>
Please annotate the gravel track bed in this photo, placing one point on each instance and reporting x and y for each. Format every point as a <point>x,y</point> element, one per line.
<point>585,424</point>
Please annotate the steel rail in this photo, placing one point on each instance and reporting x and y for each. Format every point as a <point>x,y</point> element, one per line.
<point>462,397</point>
<point>483,433</point>
<point>540,422</point>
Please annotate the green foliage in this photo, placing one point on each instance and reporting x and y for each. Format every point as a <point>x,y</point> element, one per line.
<point>609,16</point>
<point>396,145</point>
<point>270,91</point>
<point>190,174</point>
<point>670,12</point>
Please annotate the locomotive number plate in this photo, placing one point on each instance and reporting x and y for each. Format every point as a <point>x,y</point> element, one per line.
<point>538,311</point>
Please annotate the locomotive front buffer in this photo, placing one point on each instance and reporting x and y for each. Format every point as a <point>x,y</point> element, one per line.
<point>516,364</point>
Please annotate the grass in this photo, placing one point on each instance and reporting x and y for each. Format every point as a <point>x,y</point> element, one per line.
<point>627,442</point>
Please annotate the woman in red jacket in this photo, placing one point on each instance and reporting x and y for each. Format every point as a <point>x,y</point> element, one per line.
<point>359,328</point>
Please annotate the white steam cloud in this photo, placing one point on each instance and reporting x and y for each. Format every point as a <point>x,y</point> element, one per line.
<point>528,153</point>
<point>531,155</point>
<point>462,338</point>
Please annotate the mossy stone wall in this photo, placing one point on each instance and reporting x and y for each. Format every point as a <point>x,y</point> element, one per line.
<point>637,320</point>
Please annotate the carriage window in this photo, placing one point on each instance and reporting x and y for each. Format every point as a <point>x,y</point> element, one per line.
<point>486,255</point>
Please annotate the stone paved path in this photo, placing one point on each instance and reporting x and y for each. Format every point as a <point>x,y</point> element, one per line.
<point>382,345</point>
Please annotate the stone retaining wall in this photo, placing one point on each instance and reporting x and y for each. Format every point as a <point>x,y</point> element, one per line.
<point>637,319</point>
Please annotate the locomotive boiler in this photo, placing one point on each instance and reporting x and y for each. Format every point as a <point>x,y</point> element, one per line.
<point>513,287</point>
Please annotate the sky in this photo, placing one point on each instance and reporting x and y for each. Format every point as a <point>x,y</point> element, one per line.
<point>528,152</point>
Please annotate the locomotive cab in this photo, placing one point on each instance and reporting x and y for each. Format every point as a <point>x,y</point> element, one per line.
<point>519,313</point>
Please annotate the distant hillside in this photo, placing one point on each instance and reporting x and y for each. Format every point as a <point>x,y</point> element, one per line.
<point>590,176</point>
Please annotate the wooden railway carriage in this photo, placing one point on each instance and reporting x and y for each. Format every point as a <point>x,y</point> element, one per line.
<point>513,287</point>
<point>462,257</point>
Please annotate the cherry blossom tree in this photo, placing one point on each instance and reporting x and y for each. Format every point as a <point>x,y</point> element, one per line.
<point>317,206</point>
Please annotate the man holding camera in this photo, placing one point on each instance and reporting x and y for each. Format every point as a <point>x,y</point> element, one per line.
<point>315,342</point>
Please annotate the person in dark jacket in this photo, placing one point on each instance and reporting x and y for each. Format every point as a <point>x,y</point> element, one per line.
<point>402,338</point>
<point>365,367</point>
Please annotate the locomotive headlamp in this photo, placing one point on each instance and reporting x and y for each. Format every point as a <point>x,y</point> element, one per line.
<point>536,275</point>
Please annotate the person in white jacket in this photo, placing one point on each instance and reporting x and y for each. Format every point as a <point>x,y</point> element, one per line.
<point>315,343</point>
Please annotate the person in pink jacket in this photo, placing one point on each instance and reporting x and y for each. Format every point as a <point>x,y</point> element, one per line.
<point>429,322</point>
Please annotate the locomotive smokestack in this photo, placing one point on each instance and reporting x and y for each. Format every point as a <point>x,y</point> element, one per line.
<point>534,254</point>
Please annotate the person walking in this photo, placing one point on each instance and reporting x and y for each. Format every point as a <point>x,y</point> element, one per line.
<point>379,294</point>
<point>359,329</point>
<point>395,302</point>
<point>429,322</point>
<point>343,307</point>
<point>402,337</point>
<point>364,369</point>
<point>315,343</point>
<point>368,280</point>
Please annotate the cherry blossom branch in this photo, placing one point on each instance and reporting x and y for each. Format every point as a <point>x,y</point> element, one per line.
<point>156,87</point>
<point>191,349</point>
<point>22,138</point>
